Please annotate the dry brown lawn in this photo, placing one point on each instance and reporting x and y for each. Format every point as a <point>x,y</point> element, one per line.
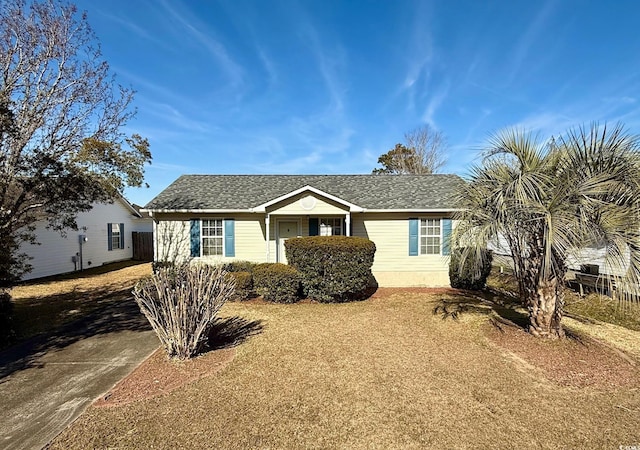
<point>384,373</point>
<point>45,304</point>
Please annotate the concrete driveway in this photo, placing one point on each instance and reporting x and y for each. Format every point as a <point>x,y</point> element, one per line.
<point>48,381</point>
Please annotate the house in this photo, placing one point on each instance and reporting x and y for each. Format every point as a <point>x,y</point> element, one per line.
<point>104,235</point>
<point>217,218</point>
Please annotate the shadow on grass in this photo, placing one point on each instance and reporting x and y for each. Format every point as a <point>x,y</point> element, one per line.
<point>502,310</point>
<point>497,306</point>
<point>85,273</point>
<point>232,331</point>
<point>115,311</point>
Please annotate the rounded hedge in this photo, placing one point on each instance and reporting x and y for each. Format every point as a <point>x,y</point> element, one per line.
<point>244,285</point>
<point>277,282</point>
<point>473,276</point>
<point>333,268</point>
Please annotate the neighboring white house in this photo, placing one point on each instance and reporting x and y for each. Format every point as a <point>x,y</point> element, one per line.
<point>103,236</point>
<point>216,218</point>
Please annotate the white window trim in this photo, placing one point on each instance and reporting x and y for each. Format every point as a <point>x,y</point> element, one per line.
<point>420,236</point>
<point>203,237</point>
<point>340,220</point>
<point>113,235</point>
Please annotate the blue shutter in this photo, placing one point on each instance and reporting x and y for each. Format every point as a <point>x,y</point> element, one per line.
<point>229,237</point>
<point>109,237</point>
<point>413,237</point>
<point>446,236</point>
<point>314,226</point>
<point>121,235</point>
<point>195,237</point>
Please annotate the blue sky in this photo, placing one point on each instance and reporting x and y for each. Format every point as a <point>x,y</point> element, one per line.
<point>326,86</point>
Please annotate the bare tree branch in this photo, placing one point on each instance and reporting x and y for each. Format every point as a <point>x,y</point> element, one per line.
<point>422,153</point>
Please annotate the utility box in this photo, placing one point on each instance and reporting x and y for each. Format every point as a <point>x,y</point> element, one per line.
<point>590,269</point>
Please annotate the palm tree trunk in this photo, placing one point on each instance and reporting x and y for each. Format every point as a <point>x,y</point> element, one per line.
<point>545,309</point>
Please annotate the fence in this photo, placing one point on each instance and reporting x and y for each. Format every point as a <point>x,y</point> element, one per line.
<point>142,245</point>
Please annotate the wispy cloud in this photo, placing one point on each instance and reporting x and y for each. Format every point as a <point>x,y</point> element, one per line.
<point>419,56</point>
<point>196,29</point>
<point>171,116</point>
<point>268,64</point>
<point>136,29</point>
<point>435,100</point>
<point>523,47</point>
<point>546,123</point>
<point>330,59</point>
<point>301,164</point>
<point>153,89</point>
<point>168,167</point>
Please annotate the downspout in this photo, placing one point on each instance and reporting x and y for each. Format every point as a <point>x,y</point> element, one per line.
<point>267,221</point>
<point>81,239</point>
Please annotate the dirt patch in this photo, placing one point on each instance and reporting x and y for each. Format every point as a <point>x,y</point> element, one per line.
<point>575,361</point>
<point>158,375</point>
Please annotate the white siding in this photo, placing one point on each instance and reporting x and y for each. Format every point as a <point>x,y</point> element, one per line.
<point>54,254</point>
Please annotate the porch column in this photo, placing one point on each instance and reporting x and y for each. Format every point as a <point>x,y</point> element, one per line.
<point>266,221</point>
<point>347,224</point>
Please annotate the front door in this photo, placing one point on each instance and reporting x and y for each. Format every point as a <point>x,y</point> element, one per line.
<point>286,230</point>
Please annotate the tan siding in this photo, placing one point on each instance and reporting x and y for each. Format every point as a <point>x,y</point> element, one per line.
<point>392,263</point>
<point>390,231</point>
<point>249,236</point>
<point>294,206</point>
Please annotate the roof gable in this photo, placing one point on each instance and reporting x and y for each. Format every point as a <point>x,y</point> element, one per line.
<point>264,206</point>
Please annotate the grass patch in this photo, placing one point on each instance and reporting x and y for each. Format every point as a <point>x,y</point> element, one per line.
<point>604,309</point>
<point>395,371</point>
<point>48,303</point>
<point>593,306</point>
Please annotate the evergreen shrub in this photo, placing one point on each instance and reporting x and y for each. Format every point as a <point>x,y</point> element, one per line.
<point>277,282</point>
<point>244,285</point>
<point>473,275</point>
<point>333,268</point>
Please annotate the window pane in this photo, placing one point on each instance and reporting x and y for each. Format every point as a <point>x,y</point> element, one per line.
<point>115,235</point>
<point>430,231</point>
<point>331,226</point>
<point>212,237</point>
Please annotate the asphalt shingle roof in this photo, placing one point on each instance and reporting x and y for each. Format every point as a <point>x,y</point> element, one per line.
<point>239,192</point>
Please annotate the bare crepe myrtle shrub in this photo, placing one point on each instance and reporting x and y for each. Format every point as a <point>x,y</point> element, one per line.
<point>181,304</point>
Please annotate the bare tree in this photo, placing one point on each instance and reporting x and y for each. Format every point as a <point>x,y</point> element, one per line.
<point>422,153</point>
<point>61,117</point>
<point>429,147</point>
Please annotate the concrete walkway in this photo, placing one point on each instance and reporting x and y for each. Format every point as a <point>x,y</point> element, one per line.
<point>47,382</point>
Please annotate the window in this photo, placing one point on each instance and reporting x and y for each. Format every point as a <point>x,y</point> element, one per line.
<point>331,226</point>
<point>115,236</point>
<point>430,236</point>
<point>212,237</point>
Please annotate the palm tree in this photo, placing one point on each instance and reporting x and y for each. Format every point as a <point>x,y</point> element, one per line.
<point>547,201</point>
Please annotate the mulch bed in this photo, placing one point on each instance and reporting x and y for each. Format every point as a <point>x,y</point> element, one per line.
<point>158,375</point>
<point>575,361</point>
